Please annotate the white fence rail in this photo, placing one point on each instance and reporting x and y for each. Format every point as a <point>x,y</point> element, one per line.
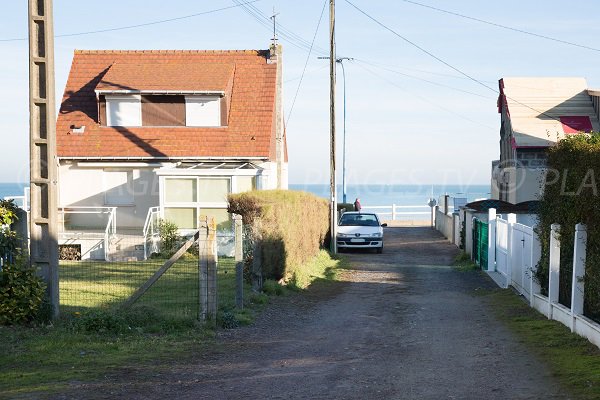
<point>514,254</point>
<point>395,212</point>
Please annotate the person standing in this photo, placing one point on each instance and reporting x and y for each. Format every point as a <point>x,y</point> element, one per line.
<point>357,205</point>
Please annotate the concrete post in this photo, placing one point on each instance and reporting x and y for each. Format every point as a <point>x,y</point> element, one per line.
<point>43,228</point>
<point>446,197</point>
<point>512,220</point>
<point>276,57</point>
<point>554,267</point>
<point>579,258</point>
<point>239,262</point>
<point>434,216</point>
<point>491,240</point>
<point>207,274</point>
<point>536,255</point>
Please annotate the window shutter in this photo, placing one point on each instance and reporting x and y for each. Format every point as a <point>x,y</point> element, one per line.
<point>224,111</point>
<point>102,111</point>
<point>163,110</point>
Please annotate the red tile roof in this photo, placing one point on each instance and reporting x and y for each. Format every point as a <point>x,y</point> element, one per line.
<point>167,76</point>
<point>250,131</point>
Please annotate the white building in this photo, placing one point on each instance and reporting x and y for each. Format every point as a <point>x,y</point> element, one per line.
<point>143,135</point>
<point>535,114</point>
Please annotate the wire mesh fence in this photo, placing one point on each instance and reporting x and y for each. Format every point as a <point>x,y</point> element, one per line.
<point>87,285</point>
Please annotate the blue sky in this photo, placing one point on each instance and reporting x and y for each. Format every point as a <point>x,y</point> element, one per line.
<point>400,128</point>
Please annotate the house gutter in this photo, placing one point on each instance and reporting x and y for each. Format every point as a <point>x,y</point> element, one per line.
<point>174,92</point>
<point>165,158</point>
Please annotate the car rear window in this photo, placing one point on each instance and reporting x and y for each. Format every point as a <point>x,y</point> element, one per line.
<point>359,220</point>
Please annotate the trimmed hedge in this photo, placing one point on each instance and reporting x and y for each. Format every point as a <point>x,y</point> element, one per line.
<point>291,226</point>
<point>570,196</point>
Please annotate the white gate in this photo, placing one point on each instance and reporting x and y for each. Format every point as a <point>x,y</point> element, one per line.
<point>517,251</point>
<point>521,246</point>
<point>502,246</point>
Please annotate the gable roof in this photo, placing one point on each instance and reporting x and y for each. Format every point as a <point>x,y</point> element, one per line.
<point>537,107</point>
<point>246,78</point>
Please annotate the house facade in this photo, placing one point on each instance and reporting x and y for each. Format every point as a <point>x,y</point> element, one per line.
<point>535,114</point>
<point>143,135</point>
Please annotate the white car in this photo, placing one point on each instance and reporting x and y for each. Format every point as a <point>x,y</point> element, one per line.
<point>358,230</point>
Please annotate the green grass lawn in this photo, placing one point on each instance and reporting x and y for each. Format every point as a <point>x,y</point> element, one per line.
<point>94,337</point>
<point>572,358</point>
<point>91,285</point>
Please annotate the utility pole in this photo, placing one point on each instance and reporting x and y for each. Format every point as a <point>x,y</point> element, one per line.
<point>333,203</point>
<point>42,148</point>
<point>340,61</point>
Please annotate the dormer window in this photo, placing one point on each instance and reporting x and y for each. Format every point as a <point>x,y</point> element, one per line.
<point>135,110</point>
<point>123,110</point>
<point>202,111</point>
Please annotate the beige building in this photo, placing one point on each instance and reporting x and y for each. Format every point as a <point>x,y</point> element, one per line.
<point>535,114</point>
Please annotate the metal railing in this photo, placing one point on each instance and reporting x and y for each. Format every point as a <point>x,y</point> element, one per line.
<point>395,214</point>
<point>109,230</point>
<point>150,232</point>
<point>21,201</point>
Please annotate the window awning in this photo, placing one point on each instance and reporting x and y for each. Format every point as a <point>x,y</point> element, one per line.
<point>214,168</point>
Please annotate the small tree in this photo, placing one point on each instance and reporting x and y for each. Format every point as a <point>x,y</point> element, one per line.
<point>169,236</point>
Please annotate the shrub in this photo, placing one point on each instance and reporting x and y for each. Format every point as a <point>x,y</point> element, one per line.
<point>21,293</point>
<point>291,227</point>
<point>169,236</point>
<point>570,196</point>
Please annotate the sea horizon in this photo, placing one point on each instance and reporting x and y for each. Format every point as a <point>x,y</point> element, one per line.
<point>374,194</point>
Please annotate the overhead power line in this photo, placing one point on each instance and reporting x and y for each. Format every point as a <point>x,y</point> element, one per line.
<point>423,80</point>
<point>503,26</point>
<point>284,33</point>
<point>306,63</point>
<point>162,21</point>
<point>426,100</point>
<point>430,54</point>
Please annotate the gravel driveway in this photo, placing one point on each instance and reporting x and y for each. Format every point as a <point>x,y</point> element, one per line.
<point>400,325</point>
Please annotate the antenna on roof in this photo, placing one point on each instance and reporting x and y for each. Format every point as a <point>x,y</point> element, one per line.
<point>273,17</point>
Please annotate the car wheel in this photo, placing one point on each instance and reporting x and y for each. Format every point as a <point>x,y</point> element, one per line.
<point>380,250</point>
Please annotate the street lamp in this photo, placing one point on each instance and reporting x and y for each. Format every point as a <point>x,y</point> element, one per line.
<point>340,61</point>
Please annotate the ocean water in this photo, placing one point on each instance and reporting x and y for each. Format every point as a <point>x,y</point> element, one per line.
<point>401,195</point>
<point>12,189</point>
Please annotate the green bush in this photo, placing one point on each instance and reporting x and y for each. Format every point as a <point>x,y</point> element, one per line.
<point>570,196</point>
<point>345,207</point>
<point>290,225</point>
<point>169,236</point>
<point>21,293</point>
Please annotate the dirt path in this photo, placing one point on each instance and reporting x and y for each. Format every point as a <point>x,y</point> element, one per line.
<point>401,325</point>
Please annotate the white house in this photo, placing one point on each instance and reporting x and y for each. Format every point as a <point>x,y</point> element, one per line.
<point>143,135</point>
<point>535,114</point>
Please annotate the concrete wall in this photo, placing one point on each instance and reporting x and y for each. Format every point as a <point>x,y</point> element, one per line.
<point>517,185</point>
<point>268,179</point>
<point>444,224</point>
<point>84,186</point>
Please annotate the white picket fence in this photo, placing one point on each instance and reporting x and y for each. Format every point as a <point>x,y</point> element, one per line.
<point>514,251</point>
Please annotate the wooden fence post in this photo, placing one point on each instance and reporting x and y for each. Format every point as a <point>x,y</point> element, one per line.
<point>554,268</point>
<point>491,240</point>
<point>207,269</point>
<point>239,261</point>
<point>577,288</point>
